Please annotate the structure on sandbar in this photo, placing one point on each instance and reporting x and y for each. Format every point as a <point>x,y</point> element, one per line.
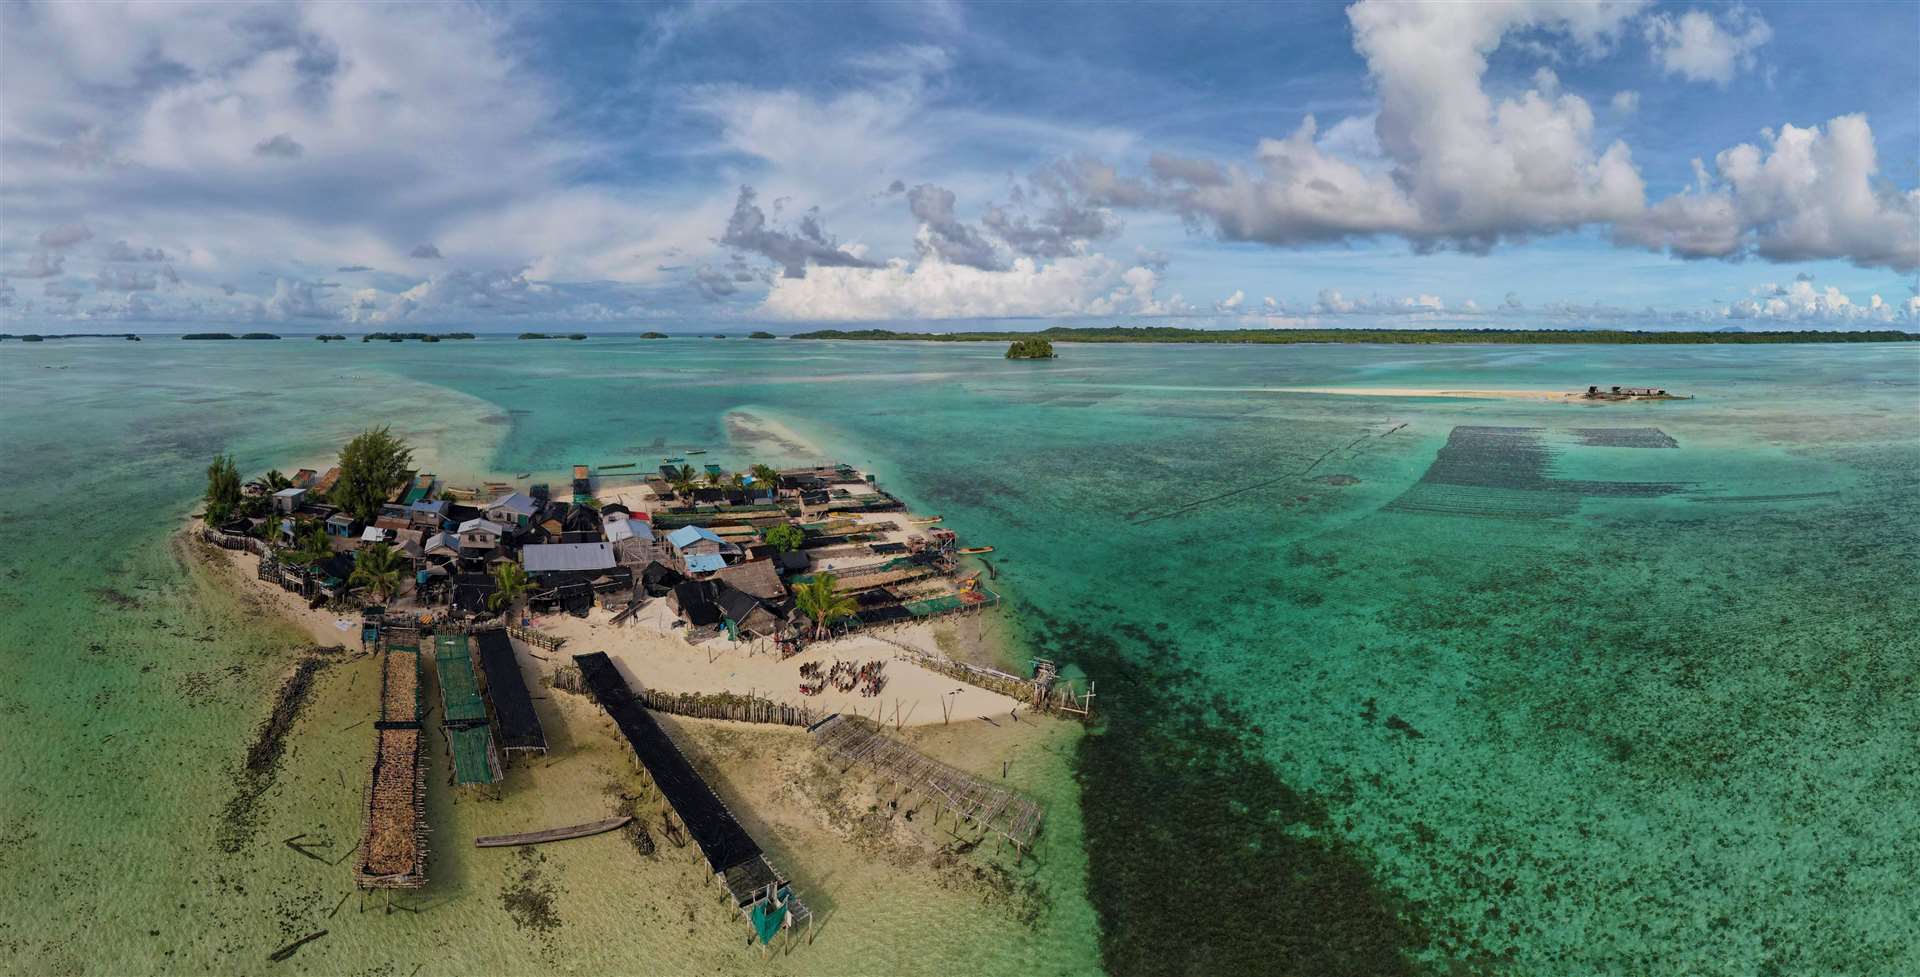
<point>1630,393</point>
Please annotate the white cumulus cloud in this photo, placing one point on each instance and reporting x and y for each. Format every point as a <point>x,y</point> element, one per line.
<point>938,289</point>
<point>1699,46</point>
<point>1811,193</point>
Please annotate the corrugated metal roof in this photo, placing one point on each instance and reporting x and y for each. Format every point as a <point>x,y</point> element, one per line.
<point>516,503</point>
<point>550,557</point>
<point>705,562</point>
<point>688,535</point>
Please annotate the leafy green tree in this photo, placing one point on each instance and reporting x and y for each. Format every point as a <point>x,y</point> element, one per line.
<point>786,537</point>
<point>223,489</point>
<point>378,568</point>
<point>821,600</point>
<point>766,475</point>
<point>510,585</point>
<point>370,466</point>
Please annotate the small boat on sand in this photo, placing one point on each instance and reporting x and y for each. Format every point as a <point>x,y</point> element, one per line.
<point>971,550</point>
<point>524,475</point>
<point>552,834</point>
<point>928,521</point>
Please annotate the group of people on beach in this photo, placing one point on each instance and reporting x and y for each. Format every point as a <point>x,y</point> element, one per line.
<point>868,677</point>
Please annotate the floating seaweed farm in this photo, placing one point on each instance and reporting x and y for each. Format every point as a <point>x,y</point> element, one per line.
<point>1511,473</point>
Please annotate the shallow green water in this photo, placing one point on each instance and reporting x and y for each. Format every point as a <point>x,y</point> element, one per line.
<point>1384,692</point>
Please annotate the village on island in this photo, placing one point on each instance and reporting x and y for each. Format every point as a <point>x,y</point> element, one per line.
<point>792,596</point>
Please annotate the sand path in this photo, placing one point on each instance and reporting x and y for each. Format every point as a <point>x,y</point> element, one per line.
<point>1432,392</point>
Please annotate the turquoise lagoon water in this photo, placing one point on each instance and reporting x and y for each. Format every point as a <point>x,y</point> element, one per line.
<point>1388,685</point>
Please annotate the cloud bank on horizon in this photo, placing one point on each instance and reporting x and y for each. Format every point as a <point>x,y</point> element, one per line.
<point>1524,162</point>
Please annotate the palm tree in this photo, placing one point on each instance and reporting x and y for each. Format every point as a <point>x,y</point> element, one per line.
<point>716,479</point>
<point>821,600</point>
<point>270,483</point>
<point>311,546</point>
<point>377,568</point>
<point>683,481</point>
<point>765,475</point>
<point>510,584</point>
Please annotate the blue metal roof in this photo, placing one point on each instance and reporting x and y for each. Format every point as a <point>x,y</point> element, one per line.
<point>705,562</point>
<point>686,536</point>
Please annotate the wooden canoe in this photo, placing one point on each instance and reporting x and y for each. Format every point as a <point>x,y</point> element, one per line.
<point>552,834</point>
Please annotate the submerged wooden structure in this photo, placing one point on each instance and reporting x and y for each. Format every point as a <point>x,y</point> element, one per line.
<point>736,860</point>
<point>990,807</point>
<point>393,839</point>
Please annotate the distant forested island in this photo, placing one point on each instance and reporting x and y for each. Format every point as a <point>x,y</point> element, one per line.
<point>228,335</point>
<point>401,337</point>
<point>1031,348</point>
<point>653,335</point>
<point>1171,334</point>
<point>553,335</point>
<point>34,337</point>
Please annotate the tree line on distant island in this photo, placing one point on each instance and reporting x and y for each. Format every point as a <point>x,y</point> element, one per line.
<point>1174,334</point>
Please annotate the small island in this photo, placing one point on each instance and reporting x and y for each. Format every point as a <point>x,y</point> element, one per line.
<point>1031,349</point>
<point>749,596</point>
<point>331,338</point>
<point>399,337</point>
<point>228,335</point>
<point>760,335</point>
<point>653,335</point>
<point>576,336</point>
<point>39,338</point>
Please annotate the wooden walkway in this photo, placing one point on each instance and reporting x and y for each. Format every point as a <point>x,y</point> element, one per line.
<point>552,834</point>
<point>968,798</point>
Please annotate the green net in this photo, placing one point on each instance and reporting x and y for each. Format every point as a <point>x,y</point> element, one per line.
<point>473,756</point>
<point>459,687</point>
<point>767,917</point>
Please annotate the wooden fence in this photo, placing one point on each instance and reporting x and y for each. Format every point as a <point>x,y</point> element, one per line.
<point>1047,696</point>
<point>233,541</point>
<point>705,705</point>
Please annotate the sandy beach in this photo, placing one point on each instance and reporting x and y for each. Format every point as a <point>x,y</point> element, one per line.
<point>649,651</point>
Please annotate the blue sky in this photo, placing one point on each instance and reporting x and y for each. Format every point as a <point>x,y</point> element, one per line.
<point>615,166</point>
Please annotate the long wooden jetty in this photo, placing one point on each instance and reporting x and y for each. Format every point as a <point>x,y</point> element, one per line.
<point>736,860</point>
<point>553,834</point>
